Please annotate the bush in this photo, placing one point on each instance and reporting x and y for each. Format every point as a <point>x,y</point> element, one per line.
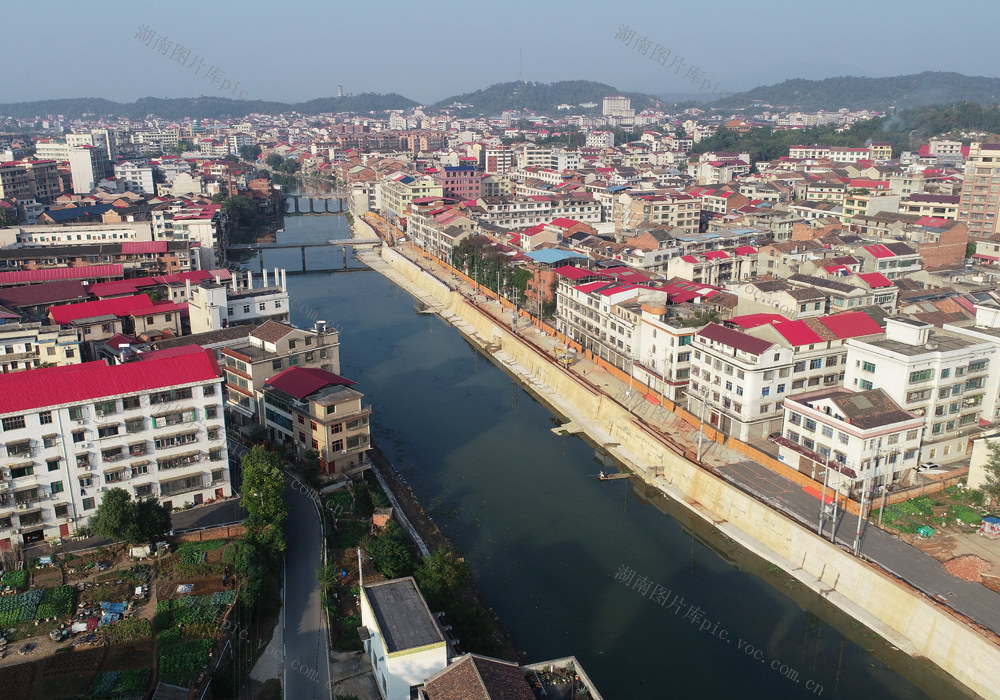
<point>17,580</point>
<point>55,602</point>
<point>966,515</point>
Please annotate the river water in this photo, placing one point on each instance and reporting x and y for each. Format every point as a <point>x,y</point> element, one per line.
<point>653,602</point>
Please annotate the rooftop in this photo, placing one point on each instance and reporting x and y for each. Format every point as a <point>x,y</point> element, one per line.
<point>865,409</point>
<point>55,386</point>
<point>475,677</point>
<point>401,614</point>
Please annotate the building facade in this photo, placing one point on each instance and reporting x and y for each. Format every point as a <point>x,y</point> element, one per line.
<point>153,427</point>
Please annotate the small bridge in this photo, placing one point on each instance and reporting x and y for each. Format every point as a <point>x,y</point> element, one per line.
<point>343,243</point>
<point>314,203</point>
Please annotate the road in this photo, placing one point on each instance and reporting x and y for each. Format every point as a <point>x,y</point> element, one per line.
<point>306,658</point>
<point>905,561</point>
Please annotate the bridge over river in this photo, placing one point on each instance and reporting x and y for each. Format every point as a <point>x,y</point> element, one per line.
<point>343,243</point>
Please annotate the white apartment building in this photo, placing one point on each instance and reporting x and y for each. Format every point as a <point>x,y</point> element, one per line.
<point>740,377</point>
<point>866,437</point>
<point>137,178</point>
<point>939,375</point>
<point>985,328</point>
<point>58,234</point>
<point>153,427</point>
<point>213,306</point>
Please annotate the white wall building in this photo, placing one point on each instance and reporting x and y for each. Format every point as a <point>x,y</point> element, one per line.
<point>870,439</point>
<point>401,637</point>
<point>939,375</point>
<point>154,428</point>
<point>212,306</point>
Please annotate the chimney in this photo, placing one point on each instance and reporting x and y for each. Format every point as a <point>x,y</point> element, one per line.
<point>249,280</point>
<point>263,271</point>
<point>234,285</point>
<point>276,276</point>
<point>284,283</point>
<point>187,288</point>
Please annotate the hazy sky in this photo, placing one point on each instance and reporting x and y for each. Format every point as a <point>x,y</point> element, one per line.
<point>300,49</point>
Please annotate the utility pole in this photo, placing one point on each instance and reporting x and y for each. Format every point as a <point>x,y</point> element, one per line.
<point>861,515</point>
<point>701,421</point>
<point>822,500</point>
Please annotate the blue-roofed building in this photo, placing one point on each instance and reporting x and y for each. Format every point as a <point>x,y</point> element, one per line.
<point>94,212</point>
<point>553,256</point>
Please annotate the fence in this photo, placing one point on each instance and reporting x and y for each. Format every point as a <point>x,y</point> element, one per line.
<point>216,532</point>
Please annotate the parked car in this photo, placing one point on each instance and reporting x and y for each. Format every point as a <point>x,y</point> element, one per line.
<point>928,465</point>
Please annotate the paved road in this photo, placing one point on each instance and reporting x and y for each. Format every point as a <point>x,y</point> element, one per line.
<point>306,661</point>
<point>917,568</point>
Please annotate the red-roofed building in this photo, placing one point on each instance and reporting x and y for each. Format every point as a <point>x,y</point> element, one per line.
<point>312,409</point>
<point>154,427</point>
<point>134,315</point>
<point>90,273</point>
<point>741,376</point>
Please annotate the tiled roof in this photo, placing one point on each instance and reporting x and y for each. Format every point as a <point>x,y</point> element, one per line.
<point>300,382</point>
<point>80,272</point>
<point>32,294</point>
<point>474,677</point>
<point>55,386</point>
<point>734,339</point>
<point>271,331</point>
<point>121,306</point>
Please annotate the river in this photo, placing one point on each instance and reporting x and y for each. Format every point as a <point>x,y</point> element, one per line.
<point>652,601</point>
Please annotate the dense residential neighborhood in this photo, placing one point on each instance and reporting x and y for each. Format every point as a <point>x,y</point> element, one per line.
<point>830,315</point>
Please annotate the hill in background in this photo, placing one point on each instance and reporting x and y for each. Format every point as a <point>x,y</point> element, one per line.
<point>540,97</point>
<point>209,107</point>
<point>877,94</point>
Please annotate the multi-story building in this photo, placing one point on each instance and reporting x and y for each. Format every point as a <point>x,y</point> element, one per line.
<point>137,315</point>
<point>980,198</point>
<point>30,179</point>
<point>617,106</point>
<point>938,375</point>
<point>496,160</point>
<point>153,427</point>
<point>438,230</point>
<point>667,208</point>
<point>82,234</point>
<point>268,349</point>
<point>740,377</point>
<point>891,259</point>
<point>716,267</point>
<point>460,182</point>
<point>399,191</point>
<point>88,165</point>
<point>137,177</point>
<point>519,212</point>
<point>312,409</point>
<point>25,346</point>
<point>938,206</point>
<point>213,305</point>
<point>865,437</point>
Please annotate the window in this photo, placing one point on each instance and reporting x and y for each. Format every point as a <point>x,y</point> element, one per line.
<point>921,375</point>
<point>53,464</point>
<point>13,422</point>
<point>827,431</point>
<point>131,403</point>
<point>338,445</point>
<point>766,391</point>
<point>56,487</point>
<point>765,407</point>
<point>768,376</point>
<point>809,424</point>
<point>208,390</point>
<point>213,433</point>
<point>276,364</point>
<point>135,425</point>
<point>291,344</point>
<point>781,389</point>
<point>61,510</point>
<point>262,306</point>
<point>799,366</point>
<point>246,308</point>
<point>106,408</point>
<point>79,435</point>
<point>815,364</point>
<point>45,417</point>
<point>795,419</point>
<point>107,430</point>
<point>867,366</point>
<point>211,411</point>
<point>865,384</point>
<point>88,504</point>
<point>945,373</point>
<point>831,361</point>
<point>312,425</point>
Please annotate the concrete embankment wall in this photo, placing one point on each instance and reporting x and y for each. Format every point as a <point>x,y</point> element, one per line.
<point>901,615</point>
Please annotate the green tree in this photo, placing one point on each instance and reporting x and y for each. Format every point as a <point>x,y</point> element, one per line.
<point>250,153</point>
<point>992,467</point>
<point>390,552</point>
<point>116,517</point>
<point>153,520</point>
<point>250,568</point>
<point>309,467</point>
<point>267,512</point>
<point>8,216</point>
<point>970,249</point>
<point>442,577</point>
<point>274,160</point>
<point>239,209</point>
